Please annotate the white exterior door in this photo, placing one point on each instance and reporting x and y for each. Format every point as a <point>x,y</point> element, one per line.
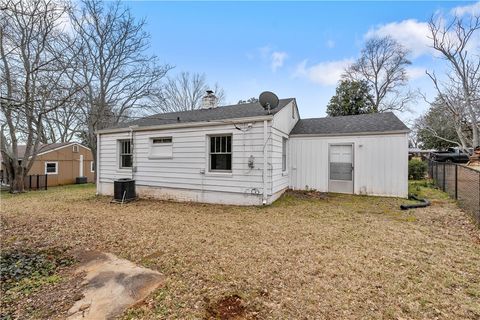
<point>340,168</point>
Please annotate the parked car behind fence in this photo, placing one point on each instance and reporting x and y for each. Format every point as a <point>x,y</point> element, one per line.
<point>451,155</point>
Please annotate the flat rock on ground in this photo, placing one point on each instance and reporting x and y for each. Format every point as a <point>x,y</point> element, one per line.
<point>111,285</point>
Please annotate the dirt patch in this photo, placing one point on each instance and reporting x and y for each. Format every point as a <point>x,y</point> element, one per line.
<point>227,308</point>
<point>52,301</point>
<point>307,194</point>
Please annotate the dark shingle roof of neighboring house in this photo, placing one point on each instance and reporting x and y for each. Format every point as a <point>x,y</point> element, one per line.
<point>245,110</point>
<point>364,123</point>
<point>42,149</point>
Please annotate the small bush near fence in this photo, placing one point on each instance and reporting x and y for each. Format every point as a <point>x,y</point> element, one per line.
<point>417,169</point>
<point>460,182</point>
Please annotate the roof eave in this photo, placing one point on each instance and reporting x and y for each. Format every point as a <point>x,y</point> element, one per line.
<point>299,135</point>
<point>61,147</point>
<point>186,124</point>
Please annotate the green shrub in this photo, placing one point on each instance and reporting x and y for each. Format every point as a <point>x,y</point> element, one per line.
<point>417,169</point>
<point>26,265</point>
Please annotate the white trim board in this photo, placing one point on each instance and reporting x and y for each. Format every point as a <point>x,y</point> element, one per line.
<point>56,168</point>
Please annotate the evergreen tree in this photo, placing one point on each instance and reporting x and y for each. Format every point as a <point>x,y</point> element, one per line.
<point>351,97</point>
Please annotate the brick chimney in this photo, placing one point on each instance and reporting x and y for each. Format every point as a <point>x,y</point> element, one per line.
<point>209,101</point>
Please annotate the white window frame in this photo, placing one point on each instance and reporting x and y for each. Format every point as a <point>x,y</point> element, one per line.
<point>209,154</point>
<point>56,167</point>
<point>91,166</point>
<point>284,154</point>
<point>120,154</point>
<point>75,148</point>
<point>157,144</point>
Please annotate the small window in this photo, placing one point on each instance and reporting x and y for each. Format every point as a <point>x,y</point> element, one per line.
<point>51,167</point>
<point>162,140</point>
<point>75,148</point>
<point>284,154</point>
<point>125,154</point>
<point>161,148</point>
<point>293,110</point>
<point>92,166</point>
<point>221,153</point>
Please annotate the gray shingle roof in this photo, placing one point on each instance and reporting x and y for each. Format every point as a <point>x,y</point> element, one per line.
<point>237,111</point>
<point>364,123</point>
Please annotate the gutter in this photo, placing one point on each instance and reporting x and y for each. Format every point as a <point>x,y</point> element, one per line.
<point>300,135</point>
<point>187,124</point>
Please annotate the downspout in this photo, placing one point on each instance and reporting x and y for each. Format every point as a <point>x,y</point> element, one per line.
<point>265,137</point>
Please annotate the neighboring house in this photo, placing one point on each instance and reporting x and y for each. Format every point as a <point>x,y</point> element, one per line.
<point>62,162</point>
<point>246,155</point>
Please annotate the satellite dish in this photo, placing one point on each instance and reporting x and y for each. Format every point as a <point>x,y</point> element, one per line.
<point>268,100</point>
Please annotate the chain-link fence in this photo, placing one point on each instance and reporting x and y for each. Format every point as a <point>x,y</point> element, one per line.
<point>460,182</point>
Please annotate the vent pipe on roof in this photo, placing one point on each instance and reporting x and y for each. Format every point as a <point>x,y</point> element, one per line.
<point>209,101</point>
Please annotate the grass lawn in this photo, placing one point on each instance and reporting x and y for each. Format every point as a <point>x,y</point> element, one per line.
<point>304,257</point>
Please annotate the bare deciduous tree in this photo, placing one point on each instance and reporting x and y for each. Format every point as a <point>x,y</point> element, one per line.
<point>250,100</point>
<point>118,75</point>
<point>459,88</point>
<point>184,92</point>
<point>62,124</point>
<point>382,65</point>
<point>33,78</point>
<point>436,130</point>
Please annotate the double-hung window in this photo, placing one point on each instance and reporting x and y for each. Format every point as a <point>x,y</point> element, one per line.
<point>284,154</point>
<point>125,154</point>
<point>51,167</point>
<point>220,155</point>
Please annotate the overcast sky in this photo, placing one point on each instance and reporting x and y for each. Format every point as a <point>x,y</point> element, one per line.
<point>293,49</point>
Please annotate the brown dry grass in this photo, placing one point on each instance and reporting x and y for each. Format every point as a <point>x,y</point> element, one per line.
<point>335,257</point>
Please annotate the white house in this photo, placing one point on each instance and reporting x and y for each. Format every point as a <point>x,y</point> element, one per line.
<point>244,154</point>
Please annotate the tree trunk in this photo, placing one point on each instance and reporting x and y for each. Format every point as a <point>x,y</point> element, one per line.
<point>475,136</point>
<point>17,183</point>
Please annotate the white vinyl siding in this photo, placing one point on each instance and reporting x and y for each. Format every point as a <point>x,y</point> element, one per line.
<point>161,147</point>
<point>283,120</point>
<point>188,168</point>
<point>283,123</point>
<point>380,163</point>
<point>280,177</point>
<point>284,154</point>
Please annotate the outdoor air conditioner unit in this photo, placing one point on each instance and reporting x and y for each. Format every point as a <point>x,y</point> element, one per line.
<point>124,190</point>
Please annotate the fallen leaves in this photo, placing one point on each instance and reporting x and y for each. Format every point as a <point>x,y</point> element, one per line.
<point>307,256</point>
